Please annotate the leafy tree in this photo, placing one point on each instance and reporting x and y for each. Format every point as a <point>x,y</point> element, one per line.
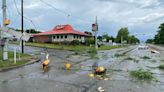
<point>149,41</point>
<point>100,38</point>
<point>159,38</point>
<point>133,40</point>
<point>107,37</point>
<point>89,41</point>
<point>32,31</point>
<point>89,33</point>
<point>122,33</point>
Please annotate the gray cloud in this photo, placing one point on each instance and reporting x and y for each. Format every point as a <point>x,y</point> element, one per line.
<point>112,14</point>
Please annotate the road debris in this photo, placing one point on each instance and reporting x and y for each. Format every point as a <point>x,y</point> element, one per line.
<point>100,89</point>
<point>68,66</point>
<point>91,75</point>
<point>154,51</point>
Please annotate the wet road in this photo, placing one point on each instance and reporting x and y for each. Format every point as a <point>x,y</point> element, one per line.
<point>32,78</point>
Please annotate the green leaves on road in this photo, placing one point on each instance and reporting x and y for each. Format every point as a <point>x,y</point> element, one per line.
<point>142,74</point>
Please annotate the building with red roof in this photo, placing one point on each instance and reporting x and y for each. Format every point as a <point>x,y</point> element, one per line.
<point>60,33</point>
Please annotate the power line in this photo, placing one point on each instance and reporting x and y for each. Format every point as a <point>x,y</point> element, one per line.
<point>63,12</point>
<point>24,16</point>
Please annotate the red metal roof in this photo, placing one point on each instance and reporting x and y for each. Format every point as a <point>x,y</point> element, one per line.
<point>62,29</point>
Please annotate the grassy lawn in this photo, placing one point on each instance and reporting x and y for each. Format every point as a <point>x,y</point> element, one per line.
<point>58,46</point>
<point>5,64</point>
<point>68,47</point>
<point>10,62</point>
<point>108,47</point>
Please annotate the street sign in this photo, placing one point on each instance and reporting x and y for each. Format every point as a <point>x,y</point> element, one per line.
<point>94,27</point>
<point>16,34</point>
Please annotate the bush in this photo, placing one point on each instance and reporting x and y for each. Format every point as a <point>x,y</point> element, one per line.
<point>92,51</point>
<point>145,57</point>
<point>89,41</point>
<point>142,74</point>
<point>161,66</point>
<point>75,42</point>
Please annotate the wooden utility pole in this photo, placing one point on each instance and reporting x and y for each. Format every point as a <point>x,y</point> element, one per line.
<point>22,25</point>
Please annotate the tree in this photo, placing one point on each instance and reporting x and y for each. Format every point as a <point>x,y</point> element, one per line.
<point>149,41</point>
<point>159,37</point>
<point>89,33</point>
<point>133,40</point>
<point>122,33</point>
<point>89,41</point>
<point>100,38</point>
<point>32,31</point>
<point>106,36</point>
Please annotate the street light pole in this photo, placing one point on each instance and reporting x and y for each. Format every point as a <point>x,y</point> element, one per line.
<point>22,24</point>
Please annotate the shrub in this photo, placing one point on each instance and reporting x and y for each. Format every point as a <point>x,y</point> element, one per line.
<point>142,74</point>
<point>75,42</point>
<point>89,41</point>
<point>161,66</point>
<point>92,51</point>
<point>146,57</point>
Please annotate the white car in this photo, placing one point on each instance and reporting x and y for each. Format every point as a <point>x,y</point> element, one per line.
<point>142,47</point>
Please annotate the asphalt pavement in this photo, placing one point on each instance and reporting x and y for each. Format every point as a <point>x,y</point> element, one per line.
<point>32,78</point>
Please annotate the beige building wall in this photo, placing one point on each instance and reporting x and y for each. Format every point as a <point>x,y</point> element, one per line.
<point>67,37</point>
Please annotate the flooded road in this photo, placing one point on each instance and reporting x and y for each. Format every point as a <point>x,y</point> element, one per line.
<point>32,78</point>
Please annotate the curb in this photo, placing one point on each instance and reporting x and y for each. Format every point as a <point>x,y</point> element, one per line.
<point>19,66</point>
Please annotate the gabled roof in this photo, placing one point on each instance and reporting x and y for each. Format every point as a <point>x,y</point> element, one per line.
<point>62,29</point>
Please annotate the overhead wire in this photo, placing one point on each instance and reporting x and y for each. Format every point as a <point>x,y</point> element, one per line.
<point>24,16</point>
<point>63,12</point>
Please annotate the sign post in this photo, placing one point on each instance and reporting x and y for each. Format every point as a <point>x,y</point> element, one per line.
<point>95,30</point>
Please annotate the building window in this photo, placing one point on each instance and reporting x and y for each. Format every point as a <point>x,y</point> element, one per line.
<point>61,37</point>
<point>65,36</point>
<point>54,37</point>
<point>57,37</point>
<point>80,37</point>
<point>74,36</point>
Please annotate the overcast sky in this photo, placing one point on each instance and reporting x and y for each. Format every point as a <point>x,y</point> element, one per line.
<point>140,16</point>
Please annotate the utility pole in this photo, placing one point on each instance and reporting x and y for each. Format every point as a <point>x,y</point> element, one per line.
<point>121,40</point>
<point>4,48</point>
<point>96,34</point>
<point>95,31</point>
<point>22,24</point>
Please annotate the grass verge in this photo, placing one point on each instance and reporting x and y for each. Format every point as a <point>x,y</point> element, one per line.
<point>67,47</point>
<point>24,58</point>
